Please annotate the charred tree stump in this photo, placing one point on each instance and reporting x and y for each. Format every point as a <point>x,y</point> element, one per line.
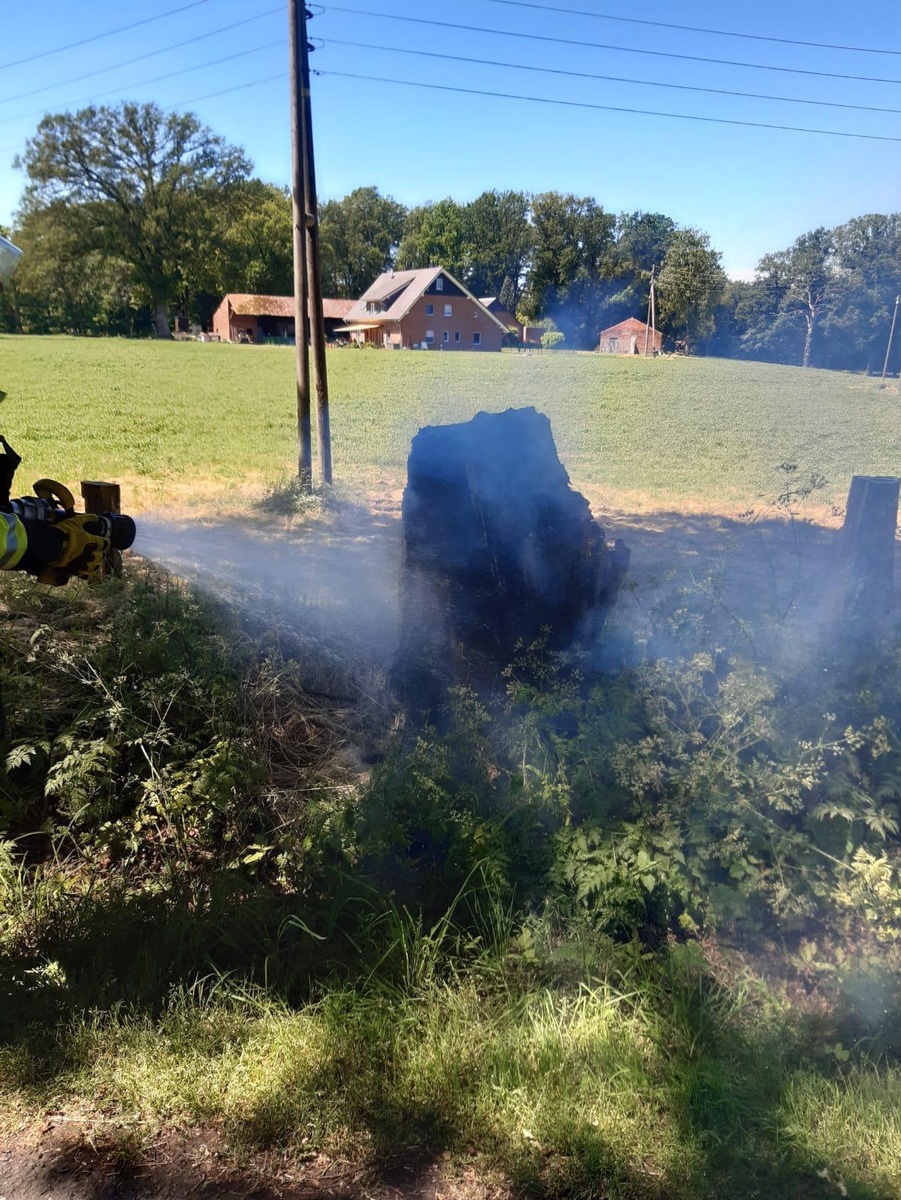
<point>866,544</point>
<point>499,551</point>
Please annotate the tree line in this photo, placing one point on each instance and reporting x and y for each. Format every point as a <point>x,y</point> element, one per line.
<point>131,216</point>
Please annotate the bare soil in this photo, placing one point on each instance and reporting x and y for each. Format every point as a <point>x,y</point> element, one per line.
<point>64,1161</point>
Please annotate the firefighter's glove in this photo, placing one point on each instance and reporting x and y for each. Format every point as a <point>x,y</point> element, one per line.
<point>83,552</point>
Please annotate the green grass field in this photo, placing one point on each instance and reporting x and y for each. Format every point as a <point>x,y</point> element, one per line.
<point>198,421</point>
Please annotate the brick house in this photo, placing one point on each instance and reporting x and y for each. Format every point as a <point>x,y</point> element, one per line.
<point>494,306</point>
<point>630,337</point>
<point>247,318</point>
<point>423,309</point>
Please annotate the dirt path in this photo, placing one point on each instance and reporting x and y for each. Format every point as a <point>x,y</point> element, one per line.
<point>70,1163</point>
<point>336,578</point>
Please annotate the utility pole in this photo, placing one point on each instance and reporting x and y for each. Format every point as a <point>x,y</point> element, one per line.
<point>647,328</point>
<point>314,266</point>
<point>654,307</point>
<point>298,40</point>
<point>891,338</point>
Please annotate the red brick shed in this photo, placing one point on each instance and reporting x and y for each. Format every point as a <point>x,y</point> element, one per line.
<point>630,337</point>
<point>242,317</point>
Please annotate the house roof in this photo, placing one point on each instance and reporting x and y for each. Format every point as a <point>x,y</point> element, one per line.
<point>246,305</point>
<point>631,325</point>
<point>401,289</point>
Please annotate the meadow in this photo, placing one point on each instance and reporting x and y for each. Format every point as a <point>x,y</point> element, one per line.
<point>211,424</point>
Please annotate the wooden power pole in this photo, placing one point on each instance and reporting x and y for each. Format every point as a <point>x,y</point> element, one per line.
<point>891,338</point>
<point>298,40</point>
<point>647,328</point>
<point>314,265</point>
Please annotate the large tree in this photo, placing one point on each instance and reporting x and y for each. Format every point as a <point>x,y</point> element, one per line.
<point>568,281</point>
<point>435,235</point>
<point>59,286</point>
<point>867,267</point>
<point>144,187</point>
<point>642,240</point>
<point>691,285</point>
<point>803,279</point>
<point>500,237</point>
<point>256,248</point>
<point>359,236</point>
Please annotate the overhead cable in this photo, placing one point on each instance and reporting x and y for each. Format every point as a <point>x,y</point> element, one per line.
<point>643,112</point>
<point>213,62</point>
<point>754,37</point>
<point>127,62</point>
<point>547,38</point>
<point>97,37</point>
<point>681,87</point>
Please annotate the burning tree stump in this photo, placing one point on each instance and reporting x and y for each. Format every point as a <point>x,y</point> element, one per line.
<point>499,552</point>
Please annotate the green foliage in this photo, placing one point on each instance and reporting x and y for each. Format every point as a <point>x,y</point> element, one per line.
<point>691,283</point>
<point>359,237</point>
<point>574,240</point>
<point>552,339</point>
<point>141,187</point>
<point>483,950</point>
<point>130,740</point>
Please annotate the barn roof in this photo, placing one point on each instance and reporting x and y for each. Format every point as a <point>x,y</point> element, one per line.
<point>247,305</point>
<point>631,325</point>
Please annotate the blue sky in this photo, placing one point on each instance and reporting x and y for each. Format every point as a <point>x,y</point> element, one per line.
<point>753,190</point>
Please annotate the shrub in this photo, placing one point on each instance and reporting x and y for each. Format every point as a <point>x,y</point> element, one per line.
<point>552,339</point>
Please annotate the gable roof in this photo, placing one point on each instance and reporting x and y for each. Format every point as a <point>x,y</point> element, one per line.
<point>401,289</point>
<point>630,325</point>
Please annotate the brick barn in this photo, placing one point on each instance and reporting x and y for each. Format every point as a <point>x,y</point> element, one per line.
<point>425,309</point>
<point>630,337</point>
<point>247,318</point>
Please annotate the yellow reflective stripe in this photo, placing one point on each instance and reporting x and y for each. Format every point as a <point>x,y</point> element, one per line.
<point>13,541</point>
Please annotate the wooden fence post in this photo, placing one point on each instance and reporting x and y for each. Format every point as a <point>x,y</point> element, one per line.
<point>99,498</point>
<point>866,543</point>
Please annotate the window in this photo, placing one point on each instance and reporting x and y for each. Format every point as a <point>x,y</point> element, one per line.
<point>445,337</point>
<point>448,310</point>
<point>430,336</point>
<point>430,310</point>
<point>457,336</point>
<point>477,339</point>
<point>439,284</point>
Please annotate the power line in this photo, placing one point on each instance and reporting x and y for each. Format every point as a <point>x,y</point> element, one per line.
<point>682,87</point>
<point>128,62</point>
<point>642,112</point>
<point>97,37</point>
<point>213,62</point>
<point>755,37</point>
<point>240,87</point>
<point>538,37</point>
